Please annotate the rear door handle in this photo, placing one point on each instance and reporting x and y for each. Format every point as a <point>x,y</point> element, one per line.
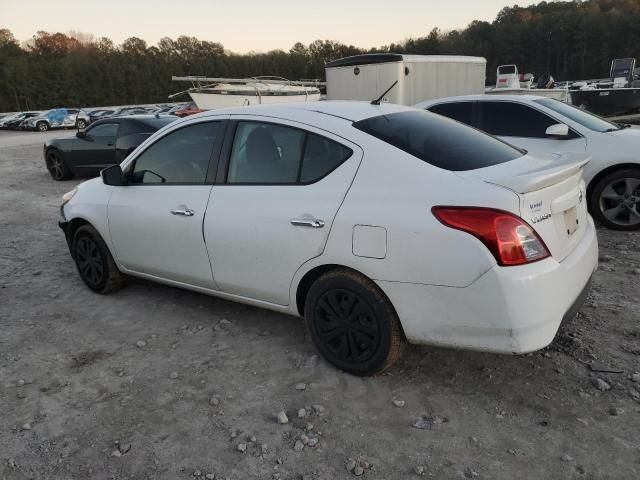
<point>307,222</point>
<point>185,212</point>
<point>110,144</point>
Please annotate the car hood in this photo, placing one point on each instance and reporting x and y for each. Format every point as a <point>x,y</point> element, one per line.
<point>631,133</point>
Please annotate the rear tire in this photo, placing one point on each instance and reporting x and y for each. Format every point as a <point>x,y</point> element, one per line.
<point>42,126</point>
<point>57,166</point>
<point>353,324</point>
<point>615,200</point>
<point>94,261</point>
<point>81,124</point>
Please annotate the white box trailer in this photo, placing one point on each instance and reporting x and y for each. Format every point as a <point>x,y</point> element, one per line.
<point>419,77</point>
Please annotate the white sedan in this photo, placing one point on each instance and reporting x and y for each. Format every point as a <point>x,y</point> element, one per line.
<point>378,224</point>
<point>544,125</point>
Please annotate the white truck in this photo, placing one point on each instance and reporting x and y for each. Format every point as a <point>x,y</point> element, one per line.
<point>419,77</point>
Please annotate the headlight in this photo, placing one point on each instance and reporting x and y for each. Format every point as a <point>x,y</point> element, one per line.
<point>69,195</point>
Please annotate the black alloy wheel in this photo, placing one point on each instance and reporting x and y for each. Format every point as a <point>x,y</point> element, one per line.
<point>90,262</point>
<point>347,326</point>
<point>57,167</point>
<point>352,323</point>
<point>94,261</point>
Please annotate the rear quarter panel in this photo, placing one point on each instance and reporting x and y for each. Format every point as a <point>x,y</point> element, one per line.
<point>396,191</point>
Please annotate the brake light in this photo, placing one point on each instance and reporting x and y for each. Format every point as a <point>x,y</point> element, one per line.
<point>509,238</point>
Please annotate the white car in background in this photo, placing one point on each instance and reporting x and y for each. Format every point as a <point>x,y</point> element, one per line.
<point>545,125</point>
<point>377,223</point>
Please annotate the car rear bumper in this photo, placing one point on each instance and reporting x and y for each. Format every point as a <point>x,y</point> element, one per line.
<point>507,310</point>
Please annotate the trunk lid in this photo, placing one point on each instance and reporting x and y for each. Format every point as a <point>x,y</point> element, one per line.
<point>551,193</point>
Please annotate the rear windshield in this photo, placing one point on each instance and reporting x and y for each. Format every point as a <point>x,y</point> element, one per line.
<point>439,141</point>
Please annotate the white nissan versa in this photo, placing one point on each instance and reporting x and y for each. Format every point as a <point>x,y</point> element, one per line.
<point>379,224</point>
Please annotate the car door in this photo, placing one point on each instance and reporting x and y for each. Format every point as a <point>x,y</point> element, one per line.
<point>95,148</point>
<point>277,192</point>
<point>155,221</point>
<point>524,126</point>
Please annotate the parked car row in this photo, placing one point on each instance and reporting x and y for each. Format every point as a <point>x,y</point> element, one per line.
<point>80,119</point>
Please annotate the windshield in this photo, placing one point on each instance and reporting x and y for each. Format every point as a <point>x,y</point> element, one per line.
<point>439,141</point>
<point>586,119</point>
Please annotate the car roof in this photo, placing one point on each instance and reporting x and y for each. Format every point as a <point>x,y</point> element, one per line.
<point>346,110</point>
<point>480,98</point>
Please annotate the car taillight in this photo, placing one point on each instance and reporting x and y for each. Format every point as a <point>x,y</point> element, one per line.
<point>509,238</point>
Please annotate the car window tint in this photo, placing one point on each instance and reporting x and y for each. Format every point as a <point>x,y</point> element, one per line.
<point>321,156</point>
<point>511,119</point>
<point>104,130</point>
<point>438,140</point>
<point>265,153</point>
<point>460,111</point>
<point>179,157</point>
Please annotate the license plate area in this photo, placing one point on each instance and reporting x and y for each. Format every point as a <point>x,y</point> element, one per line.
<point>571,220</point>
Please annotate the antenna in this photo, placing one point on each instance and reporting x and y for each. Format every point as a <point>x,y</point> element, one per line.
<point>379,99</point>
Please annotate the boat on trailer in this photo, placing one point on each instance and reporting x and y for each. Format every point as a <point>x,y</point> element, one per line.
<point>618,94</point>
<point>510,82</point>
<point>212,93</point>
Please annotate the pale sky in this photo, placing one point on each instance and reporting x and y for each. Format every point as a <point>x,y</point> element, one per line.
<point>244,25</point>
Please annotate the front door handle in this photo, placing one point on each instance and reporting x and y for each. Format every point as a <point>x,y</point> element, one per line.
<point>307,222</point>
<point>185,212</point>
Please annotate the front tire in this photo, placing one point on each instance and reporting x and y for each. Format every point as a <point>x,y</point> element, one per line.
<point>57,166</point>
<point>615,201</point>
<point>81,124</point>
<point>353,324</point>
<point>94,261</point>
<point>42,126</point>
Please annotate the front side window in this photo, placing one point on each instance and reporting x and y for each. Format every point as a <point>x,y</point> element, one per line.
<point>460,111</point>
<point>438,140</point>
<point>103,130</point>
<point>266,153</point>
<point>586,119</point>
<point>181,156</point>
<point>509,119</point>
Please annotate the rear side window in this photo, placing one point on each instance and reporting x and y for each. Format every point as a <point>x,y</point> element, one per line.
<point>460,111</point>
<point>508,119</point>
<point>266,153</point>
<point>439,141</point>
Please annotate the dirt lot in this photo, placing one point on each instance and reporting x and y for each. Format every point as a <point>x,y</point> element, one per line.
<point>154,382</point>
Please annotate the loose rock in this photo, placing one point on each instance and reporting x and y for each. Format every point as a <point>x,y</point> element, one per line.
<point>210,476</point>
<point>242,447</point>
<point>351,465</point>
<point>299,446</point>
<point>566,458</point>
<point>601,384</point>
<point>302,413</point>
<point>419,470</point>
<point>399,403</point>
<point>313,442</point>
<point>615,411</point>
<point>173,375</point>
<point>20,383</point>
<point>26,426</point>
<point>635,377</point>
<point>214,401</point>
<point>282,417</point>
<point>141,344</point>
<point>301,386</point>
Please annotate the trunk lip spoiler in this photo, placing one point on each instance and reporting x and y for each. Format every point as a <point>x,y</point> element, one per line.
<point>559,167</point>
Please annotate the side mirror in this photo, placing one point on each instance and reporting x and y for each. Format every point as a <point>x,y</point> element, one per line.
<point>559,130</point>
<point>113,176</point>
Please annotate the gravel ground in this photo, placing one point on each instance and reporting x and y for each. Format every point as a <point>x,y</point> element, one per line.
<point>158,383</point>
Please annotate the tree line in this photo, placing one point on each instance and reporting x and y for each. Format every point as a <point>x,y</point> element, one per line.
<point>569,40</point>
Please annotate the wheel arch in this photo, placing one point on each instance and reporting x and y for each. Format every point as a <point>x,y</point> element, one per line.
<point>606,171</point>
<point>307,280</point>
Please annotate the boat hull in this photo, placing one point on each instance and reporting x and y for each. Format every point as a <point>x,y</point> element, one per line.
<point>607,101</point>
<point>212,101</point>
